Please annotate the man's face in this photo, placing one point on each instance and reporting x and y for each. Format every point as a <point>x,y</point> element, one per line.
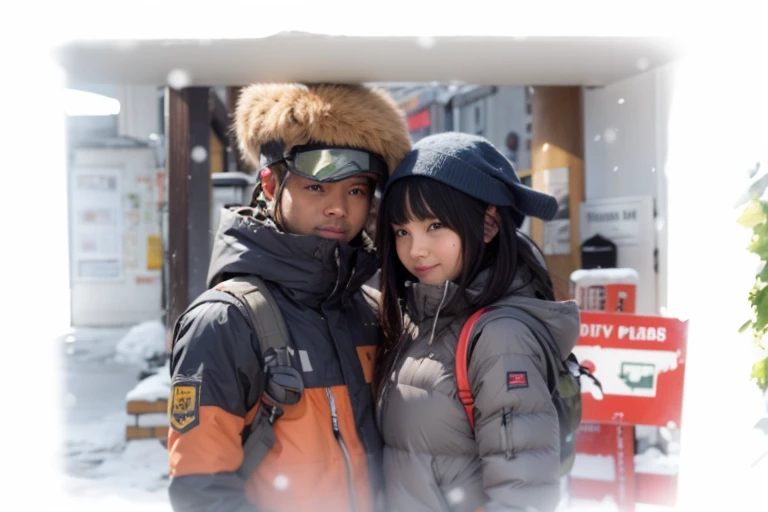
<point>335,210</point>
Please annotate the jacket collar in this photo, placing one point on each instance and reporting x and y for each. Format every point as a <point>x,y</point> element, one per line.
<point>310,269</point>
<point>441,303</point>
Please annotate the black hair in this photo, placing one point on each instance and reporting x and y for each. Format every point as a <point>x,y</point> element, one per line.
<point>421,198</point>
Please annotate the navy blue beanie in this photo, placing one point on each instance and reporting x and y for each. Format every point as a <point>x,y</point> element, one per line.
<point>474,166</point>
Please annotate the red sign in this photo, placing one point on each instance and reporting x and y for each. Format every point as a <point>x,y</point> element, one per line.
<point>604,465</point>
<point>609,297</point>
<point>640,362</point>
<point>419,120</point>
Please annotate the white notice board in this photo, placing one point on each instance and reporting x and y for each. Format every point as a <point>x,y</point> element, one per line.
<point>96,210</point>
<point>629,223</point>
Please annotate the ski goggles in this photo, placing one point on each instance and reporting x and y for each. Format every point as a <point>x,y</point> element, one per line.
<point>327,164</point>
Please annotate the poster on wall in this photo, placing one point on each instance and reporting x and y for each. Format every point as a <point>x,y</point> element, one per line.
<point>628,222</point>
<point>96,225</point>
<point>147,190</point>
<point>154,252</point>
<point>557,232</point>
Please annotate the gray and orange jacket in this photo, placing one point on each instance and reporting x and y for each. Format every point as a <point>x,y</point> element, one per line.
<point>317,285</point>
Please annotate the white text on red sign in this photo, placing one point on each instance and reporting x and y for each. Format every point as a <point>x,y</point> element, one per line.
<point>624,332</point>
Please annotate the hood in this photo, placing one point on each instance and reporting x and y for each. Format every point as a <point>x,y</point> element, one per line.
<point>309,268</point>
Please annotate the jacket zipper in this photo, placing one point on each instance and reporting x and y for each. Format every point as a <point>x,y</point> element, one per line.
<point>343,446</point>
<point>338,273</point>
<point>332,401</point>
<point>346,288</point>
<point>440,496</point>
<point>508,451</point>
<point>437,314</point>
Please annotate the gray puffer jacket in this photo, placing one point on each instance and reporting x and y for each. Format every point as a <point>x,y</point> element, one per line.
<point>432,459</point>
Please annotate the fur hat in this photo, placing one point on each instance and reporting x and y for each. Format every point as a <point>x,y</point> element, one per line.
<point>333,114</point>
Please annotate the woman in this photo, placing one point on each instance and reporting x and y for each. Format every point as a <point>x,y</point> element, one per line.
<point>448,239</point>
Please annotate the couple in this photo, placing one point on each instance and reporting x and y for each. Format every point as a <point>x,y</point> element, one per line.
<point>378,424</point>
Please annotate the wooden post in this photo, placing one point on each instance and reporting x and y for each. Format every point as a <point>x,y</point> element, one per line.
<point>189,196</point>
<point>558,141</point>
<point>220,123</point>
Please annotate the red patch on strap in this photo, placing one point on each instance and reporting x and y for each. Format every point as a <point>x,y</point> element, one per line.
<point>517,380</point>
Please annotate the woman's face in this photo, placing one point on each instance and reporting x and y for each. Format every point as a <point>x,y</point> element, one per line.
<point>429,250</point>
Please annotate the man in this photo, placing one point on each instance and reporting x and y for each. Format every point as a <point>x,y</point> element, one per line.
<point>322,151</point>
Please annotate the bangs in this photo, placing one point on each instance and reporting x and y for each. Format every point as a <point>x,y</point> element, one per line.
<point>419,198</point>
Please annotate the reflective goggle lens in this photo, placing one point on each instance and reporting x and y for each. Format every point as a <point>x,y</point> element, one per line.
<point>336,164</point>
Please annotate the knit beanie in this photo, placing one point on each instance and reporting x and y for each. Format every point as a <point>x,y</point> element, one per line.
<point>472,165</point>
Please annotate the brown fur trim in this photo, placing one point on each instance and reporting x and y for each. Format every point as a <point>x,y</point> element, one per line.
<point>334,114</point>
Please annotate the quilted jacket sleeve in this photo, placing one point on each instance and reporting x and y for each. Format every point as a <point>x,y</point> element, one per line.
<point>516,424</point>
<point>215,364</point>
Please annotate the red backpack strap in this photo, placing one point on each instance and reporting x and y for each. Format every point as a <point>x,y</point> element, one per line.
<point>462,364</point>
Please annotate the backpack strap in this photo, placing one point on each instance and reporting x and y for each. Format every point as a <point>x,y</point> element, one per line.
<point>283,384</point>
<point>462,365</point>
<point>263,312</point>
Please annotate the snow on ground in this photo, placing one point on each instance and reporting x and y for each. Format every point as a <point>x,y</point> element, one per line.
<point>133,473</point>
<point>654,461</point>
<point>102,470</point>
<point>154,387</point>
<point>142,342</point>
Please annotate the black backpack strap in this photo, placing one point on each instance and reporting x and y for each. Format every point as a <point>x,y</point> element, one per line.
<point>282,384</point>
<point>263,311</point>
<point>584,371</point>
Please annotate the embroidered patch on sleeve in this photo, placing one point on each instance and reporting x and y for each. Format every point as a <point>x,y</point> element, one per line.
<point>184,406</point>
<point>516,380</point>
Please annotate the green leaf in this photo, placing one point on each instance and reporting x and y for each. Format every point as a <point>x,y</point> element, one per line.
<point>760,230</point>
<point>752,215</point>
<point>760,372</point>
<point>746,326</point>
<point>759,246</point>
<point>760,303</point>
<point>755,216</point>
<point>763,275</point>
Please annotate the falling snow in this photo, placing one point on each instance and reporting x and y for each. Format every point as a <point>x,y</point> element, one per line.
<point>199,154</point>
<point>179,79</point>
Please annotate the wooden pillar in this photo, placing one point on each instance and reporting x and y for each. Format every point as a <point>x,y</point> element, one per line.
<point>558,141</point>
<point>189,196</point>
<point>220,123</point>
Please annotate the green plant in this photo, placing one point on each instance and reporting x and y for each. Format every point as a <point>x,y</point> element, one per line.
<point>755,217</point>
